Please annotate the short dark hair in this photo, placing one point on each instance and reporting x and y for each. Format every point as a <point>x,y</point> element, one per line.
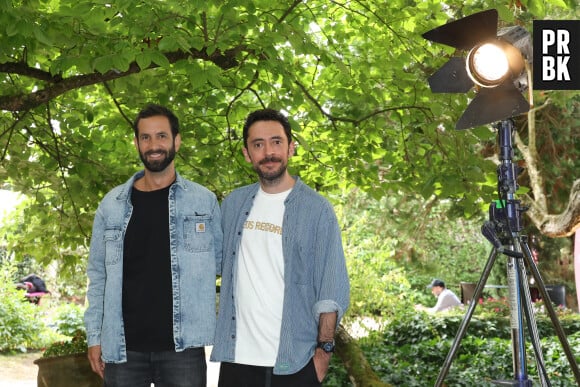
<point>266,115</point>
<point>436,282</point>
<point>153,110</point>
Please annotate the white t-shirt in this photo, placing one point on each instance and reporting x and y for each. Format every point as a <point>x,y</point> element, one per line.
<point>259,284</point>
<point>445,301</point>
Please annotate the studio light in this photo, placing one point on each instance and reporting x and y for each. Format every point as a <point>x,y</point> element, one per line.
<point>487,65</point>
<point>494,65</point>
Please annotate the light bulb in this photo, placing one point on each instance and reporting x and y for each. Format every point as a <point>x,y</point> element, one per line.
<point>487,65</point>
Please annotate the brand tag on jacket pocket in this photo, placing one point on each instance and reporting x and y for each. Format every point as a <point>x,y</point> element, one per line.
<point>200,227</point>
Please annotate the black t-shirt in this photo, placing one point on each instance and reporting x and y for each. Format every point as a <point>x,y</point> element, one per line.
<point>147,290</point>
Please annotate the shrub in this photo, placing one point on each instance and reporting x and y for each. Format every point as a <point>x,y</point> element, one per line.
<point>76,345</point>
<point>68,322</point>
<point>69,319</point>
<point>20,323</point>
<point>412,348</point>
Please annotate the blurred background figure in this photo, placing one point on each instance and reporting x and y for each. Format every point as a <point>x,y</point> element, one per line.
<point>446,299</point>
<point>35,287</point>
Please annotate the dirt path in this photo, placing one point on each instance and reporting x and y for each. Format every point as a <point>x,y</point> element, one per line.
<point>18,370</point>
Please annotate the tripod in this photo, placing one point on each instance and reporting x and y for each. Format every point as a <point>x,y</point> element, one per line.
<point>503,231</point>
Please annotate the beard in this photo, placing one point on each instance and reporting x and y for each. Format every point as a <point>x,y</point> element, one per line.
<point>270,176</point>
<point>158,165</point>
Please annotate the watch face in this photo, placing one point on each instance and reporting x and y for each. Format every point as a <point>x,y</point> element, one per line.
<point>327,347</point>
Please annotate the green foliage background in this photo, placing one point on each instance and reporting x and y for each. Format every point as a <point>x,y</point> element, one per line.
<point>18,319</point>
<point>351,76</point>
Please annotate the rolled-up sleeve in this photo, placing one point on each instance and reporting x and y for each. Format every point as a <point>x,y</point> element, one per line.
<point>330,268</point>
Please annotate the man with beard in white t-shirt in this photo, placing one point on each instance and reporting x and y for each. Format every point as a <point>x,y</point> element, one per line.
<point>284,281</point>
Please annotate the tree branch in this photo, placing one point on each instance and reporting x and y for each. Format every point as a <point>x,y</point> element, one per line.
<point>552,225</point>
<point>530,154</point>
<point>355,362</point>
<point>119,108</point>
<point>355,121</point>
<point>59,86</point>
<point>289,10</point>
<point>561,225</point>
<point>21,68</point>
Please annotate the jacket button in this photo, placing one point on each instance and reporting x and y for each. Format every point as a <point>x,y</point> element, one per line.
<point>233,336</point>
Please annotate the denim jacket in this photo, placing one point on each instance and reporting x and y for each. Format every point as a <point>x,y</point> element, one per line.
<point>195,237</point>
<point>315,275</point>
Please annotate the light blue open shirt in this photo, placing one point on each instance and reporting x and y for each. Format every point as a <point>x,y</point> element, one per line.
<point>315,275</point>
<point>195,238</point>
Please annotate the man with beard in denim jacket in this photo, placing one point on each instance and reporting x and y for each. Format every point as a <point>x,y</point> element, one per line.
<point>154,255</point>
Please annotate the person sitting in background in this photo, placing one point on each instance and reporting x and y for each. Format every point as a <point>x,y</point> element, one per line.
<point>35,287</point>
<point>33,284</point>
<point>446,299</point>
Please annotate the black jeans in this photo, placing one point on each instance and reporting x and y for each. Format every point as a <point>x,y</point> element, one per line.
<point>165,369</point>
<point>241,375</point>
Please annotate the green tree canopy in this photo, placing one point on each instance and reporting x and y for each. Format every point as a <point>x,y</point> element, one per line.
<point>350,74</point>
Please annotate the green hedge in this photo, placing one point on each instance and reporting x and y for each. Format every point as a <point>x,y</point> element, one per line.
<point>412,348</point>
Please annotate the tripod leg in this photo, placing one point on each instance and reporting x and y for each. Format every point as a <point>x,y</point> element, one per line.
<point>465,322</point>
<point>551,312</point>
<point>531,322</point>
<point>518,341</point>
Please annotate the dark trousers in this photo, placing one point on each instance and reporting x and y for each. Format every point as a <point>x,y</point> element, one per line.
<point>165,369</point>
<point>241,375</point>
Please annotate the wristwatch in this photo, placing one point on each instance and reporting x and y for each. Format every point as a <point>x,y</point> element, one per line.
<point>326,346</point>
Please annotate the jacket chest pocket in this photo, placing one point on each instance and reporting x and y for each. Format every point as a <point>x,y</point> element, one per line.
<point>197,233</point>
<point>113,246</point>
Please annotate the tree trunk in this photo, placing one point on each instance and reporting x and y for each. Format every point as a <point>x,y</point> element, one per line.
<point>359,371</point>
